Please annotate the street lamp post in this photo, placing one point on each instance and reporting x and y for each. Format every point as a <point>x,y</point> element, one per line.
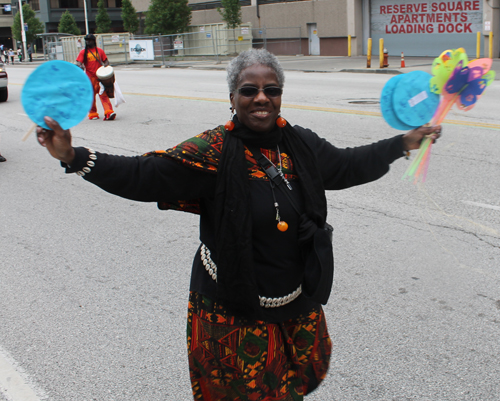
<point>23,32</point>
<point>86,19</point>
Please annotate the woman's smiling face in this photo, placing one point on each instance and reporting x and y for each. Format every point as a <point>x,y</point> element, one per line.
<point>259,113</point>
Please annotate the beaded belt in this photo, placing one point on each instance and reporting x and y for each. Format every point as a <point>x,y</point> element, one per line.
<point>265,302</point>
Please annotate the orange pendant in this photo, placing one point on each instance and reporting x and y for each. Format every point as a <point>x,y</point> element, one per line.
<point>229,125</point>
<point>282,226</point>
<point>281,122</point>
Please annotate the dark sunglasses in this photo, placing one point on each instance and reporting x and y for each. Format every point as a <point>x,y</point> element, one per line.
<point>252,91</point>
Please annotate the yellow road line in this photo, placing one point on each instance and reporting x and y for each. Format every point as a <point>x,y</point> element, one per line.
<point>378,114</point>
<point>333,110</point>
<point>206,99</point>
<point>325,109</point>
<point>473,124</point>
<point>314,108</point>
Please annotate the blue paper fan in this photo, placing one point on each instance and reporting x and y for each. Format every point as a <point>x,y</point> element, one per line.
<point>60,90</point>
<point>386,105</point>
<point>414,103</point>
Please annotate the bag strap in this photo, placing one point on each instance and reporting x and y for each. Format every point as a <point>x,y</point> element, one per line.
<point>98,58</point>
<point>274,174</point>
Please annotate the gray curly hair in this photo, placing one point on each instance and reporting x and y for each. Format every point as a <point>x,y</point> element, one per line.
<point>248,58</point>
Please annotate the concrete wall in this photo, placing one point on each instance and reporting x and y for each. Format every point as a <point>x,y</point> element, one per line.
<point>6,22</point>
<point>334,20</point>
<point>141,5</point>
<point>50,17</point>
<point>329,15</point>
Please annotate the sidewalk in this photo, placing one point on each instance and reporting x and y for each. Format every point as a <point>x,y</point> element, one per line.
<point>323,64</point>
<point>328,64</point>
<point>316,64</point>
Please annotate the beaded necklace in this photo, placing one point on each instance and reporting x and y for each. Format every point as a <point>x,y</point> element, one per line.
<point>282,225</point>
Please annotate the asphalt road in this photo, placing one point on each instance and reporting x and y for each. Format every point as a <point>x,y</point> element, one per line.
<point>93,288</point>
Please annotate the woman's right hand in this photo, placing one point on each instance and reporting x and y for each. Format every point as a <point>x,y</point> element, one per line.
<point>57,141</point>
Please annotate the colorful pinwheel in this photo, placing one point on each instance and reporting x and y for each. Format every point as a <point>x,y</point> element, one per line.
<point>465,83</point>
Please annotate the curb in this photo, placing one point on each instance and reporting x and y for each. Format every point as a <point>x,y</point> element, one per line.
<point>376,71</point>
<point>222,67</point>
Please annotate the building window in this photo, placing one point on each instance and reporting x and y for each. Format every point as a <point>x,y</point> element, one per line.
<point>211,5</point>
<point>35,5</point>
<point>54,4</point>
<point>276,1</point>
<point>68,3</point>
<point>93,3</point>
<point>107,3</point>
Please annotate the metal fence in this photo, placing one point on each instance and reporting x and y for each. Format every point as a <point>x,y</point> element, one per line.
<point>212,41</point>
<point>203,41</point>
<point>207,41</point>
<point>115,45</point>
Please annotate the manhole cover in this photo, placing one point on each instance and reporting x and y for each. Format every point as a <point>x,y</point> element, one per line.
<point>364,102</point>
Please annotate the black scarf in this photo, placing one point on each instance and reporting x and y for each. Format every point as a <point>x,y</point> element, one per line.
<point>236,281</point>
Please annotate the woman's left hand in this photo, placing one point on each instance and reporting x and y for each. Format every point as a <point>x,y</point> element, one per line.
<point>56,140</point>
<point>413,139</point>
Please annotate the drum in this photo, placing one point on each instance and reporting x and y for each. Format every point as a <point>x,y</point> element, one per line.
<point>106,76</point>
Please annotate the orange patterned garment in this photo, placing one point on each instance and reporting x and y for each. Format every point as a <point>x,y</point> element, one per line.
<point>231,359</point>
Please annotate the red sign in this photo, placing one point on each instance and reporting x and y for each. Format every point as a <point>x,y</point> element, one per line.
<point>436,17</point>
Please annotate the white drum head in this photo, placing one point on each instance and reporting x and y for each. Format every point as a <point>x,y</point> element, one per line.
<point>104,73</point>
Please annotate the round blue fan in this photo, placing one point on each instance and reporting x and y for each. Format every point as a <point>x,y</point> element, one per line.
<point>386,105</point>
<point>413,101</point>
<point>407,102</point>
<point>60,90</point>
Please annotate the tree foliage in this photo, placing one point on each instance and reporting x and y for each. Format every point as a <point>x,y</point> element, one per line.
<point>167,17</point>
<point>129,17</point>
<point>35,26</point>
<point>231,13</point>
<point>102,20</point>
<point>67,24</point>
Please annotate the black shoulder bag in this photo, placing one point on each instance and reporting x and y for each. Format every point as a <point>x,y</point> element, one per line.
<point>318,276</point>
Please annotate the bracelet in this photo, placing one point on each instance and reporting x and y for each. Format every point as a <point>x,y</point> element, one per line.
<point>90,163</point>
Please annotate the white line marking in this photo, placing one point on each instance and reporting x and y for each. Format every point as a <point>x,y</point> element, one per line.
<point>12,383</point>
<point>483,205</point>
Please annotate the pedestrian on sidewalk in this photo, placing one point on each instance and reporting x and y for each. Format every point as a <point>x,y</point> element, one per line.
<point>30,52</point>
<point>20,55</point>
<point>11,55</point>
<point>256,327</point>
